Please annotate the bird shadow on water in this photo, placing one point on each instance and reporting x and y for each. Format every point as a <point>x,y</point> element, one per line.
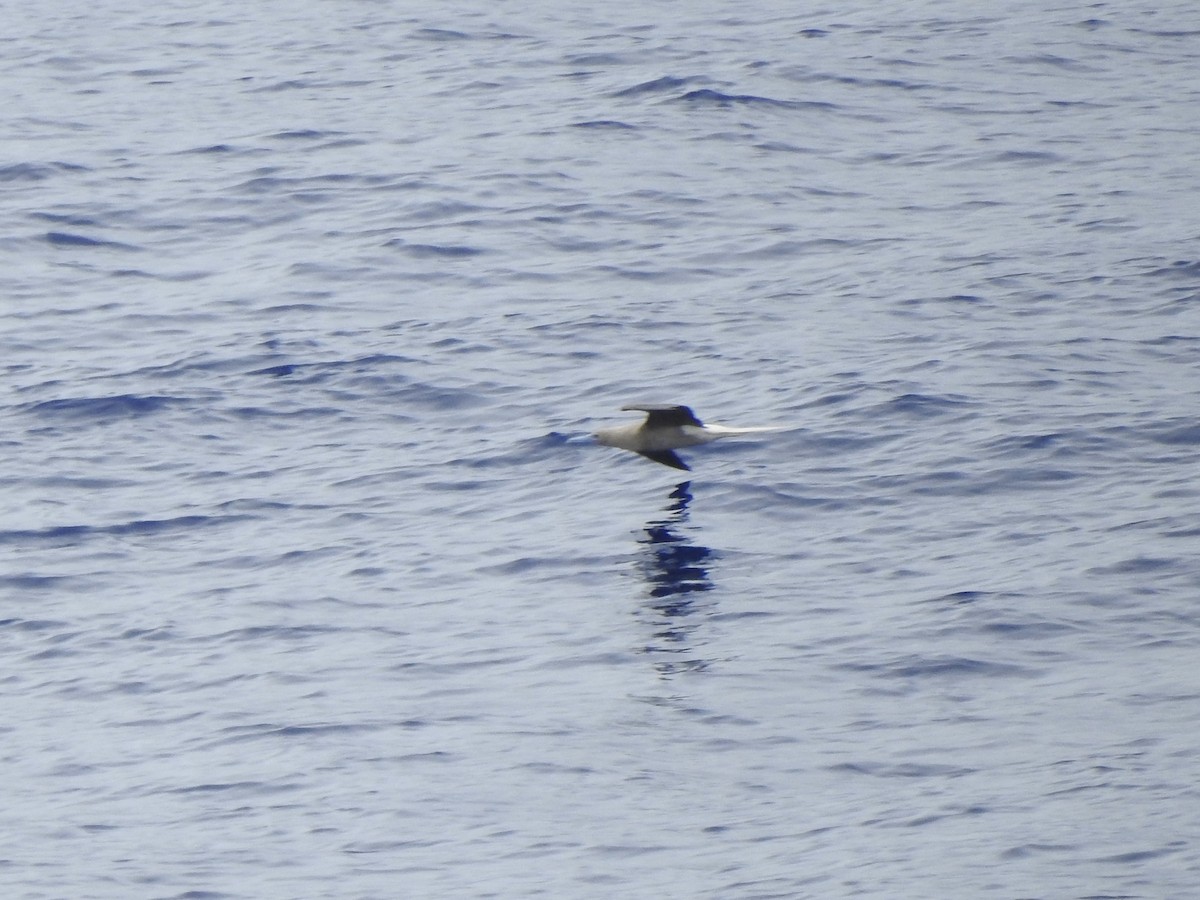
<point>675,568</point>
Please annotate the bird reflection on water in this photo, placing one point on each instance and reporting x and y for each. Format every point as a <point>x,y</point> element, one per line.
<point>675,569</point>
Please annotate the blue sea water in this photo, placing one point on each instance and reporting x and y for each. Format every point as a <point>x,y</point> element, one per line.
<point>313,583</point>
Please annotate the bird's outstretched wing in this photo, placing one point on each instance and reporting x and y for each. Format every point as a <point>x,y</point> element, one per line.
<point>666,457</point>
<point>660,415</point>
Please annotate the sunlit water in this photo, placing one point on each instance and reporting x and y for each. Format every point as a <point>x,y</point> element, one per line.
<point>314,585</point>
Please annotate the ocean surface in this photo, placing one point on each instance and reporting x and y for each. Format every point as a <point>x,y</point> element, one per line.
<point>313,583</point>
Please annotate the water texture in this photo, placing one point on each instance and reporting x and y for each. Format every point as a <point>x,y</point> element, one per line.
<point>313,584</point>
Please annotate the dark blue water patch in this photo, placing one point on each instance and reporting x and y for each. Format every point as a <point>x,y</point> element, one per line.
<point>73,219</point>
<point>1015,444</point>
<point>709,97</point>
<point>605,124</point>
<point>666,84</point>
<point>305,731</point>
<point>304,134</point>
<point>36,171</point>
<point>105,409</point>
<point>370,572</point>
<point>1053,61</point>
<point>1137,565</point>
<point>951,482</point>
<point>212,149</point>
<point>596,61</point>
<point>311,84</point>
<point>276,633</point>
<point>267,413</point>
<point>961,598</point>
<point>28,582</point>
<point>774,146</point>
<point>558,450</point>
<point>201,362</point>
<point>1003,158</point>
<point>807,76</point>
<point>290,84</point>
<point>1183,34</point>
<point>317,372</point>
<point>153,635</point>
<point>837,445</point>
<point>443,211</point>
<point>69,239</point>
<point>1031,630</point>
<point>258,505</point>
<point>787,499</point>
<point>256,787</point>
<point>1027,850</point>
<point>663,276</point>
<point>440,35</point>
<point>1136,856</point>
<point>904,770</point>
<point>914,667</point>
<point>1026,477</point>
<point>57,653</point>
<point>34,625</point>
<point>161,72</point>
<point>1183,269</point>
<point>279,309</point>
<point>437,670</point>
<point>925,406</point>
<point>438,397</point>
<point>1183,435</point>
<point>1158,525</point>
<point>1174,342</point>
<point>132,273</point>
<point>783,249</point>
<point>951,299</point>
<point>434,251</point>
<point>551,441</point>
<point>1117,223</point>
<point>292,187</point>
<point>922,821</point>
<point>742,615</point>
<point>1182,532</point>
<point>169,277</point>
<point>279,371</point>
<point>71,535</point>
<point>316,188</point>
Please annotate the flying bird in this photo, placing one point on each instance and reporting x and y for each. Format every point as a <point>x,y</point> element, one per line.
<point>667,429</point>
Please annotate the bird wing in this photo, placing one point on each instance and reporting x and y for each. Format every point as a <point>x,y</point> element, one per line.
<point>666,457</point>
<point>665,415</point>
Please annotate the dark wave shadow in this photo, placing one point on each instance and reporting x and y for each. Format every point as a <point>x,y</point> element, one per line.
<point>675,568</point>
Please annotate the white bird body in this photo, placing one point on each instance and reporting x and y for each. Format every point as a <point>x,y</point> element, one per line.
<point>665,430</point>
<point>638,437</point>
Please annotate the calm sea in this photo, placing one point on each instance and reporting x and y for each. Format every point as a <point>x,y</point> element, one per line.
<point>313,584</point>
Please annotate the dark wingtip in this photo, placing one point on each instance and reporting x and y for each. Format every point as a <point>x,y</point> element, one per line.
<point>669,414</point>
<point>666,457</point>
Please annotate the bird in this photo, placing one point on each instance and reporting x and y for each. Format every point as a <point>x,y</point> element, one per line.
<point>667,428</point>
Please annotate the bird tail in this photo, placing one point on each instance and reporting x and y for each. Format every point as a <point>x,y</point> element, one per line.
<point>729,431</point>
